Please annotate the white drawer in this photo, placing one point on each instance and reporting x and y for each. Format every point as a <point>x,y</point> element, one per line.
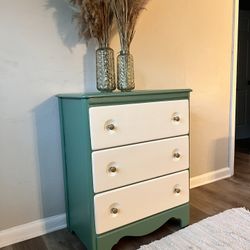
<point>128,164</point>
<point>137,122</point>
<point>128,204</point>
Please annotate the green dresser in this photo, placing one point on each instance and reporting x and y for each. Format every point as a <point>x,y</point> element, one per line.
<point>126,163</point>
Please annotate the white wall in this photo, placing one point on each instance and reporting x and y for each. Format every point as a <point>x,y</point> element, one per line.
<point>39,57</point>
<point>178,44</point>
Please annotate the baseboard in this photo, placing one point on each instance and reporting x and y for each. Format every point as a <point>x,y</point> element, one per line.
<point>31,230</point>
<point>209,177</point>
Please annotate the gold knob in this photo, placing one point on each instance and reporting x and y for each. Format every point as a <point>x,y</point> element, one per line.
<point>177,190</point>
<point>110,126</point>
<point>176,118</point>
<point>114,210</point>
<point>112,169</point>
<point>177,155</point>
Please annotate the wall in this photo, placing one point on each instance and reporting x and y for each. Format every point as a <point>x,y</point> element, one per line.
<point>39,57</point>
<point>178,44</point>
<point>208,73</point>
<point>187,44</point>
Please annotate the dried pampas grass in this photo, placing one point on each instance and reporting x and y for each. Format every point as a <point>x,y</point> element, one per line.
<point>95,20</point>
<point>126,13</point>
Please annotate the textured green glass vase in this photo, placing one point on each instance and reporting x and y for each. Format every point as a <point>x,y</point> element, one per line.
<point>125,72</point>
<point>105,70</point>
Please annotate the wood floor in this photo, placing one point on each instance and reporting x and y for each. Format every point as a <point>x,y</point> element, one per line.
<point>205,201</point>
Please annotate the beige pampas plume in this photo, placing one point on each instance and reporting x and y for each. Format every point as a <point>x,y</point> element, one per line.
<point>126,13</point>
<point>95,19</point>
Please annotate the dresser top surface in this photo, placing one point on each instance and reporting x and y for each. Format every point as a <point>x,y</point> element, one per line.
<point>122,94</point>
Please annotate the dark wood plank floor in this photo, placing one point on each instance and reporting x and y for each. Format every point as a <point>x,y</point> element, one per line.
<point>205,201</point>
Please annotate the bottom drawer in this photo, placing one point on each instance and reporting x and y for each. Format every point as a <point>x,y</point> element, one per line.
<point>128,204</point>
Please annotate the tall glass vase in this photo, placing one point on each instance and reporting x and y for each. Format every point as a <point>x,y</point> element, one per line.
<point>105,70</point>
<point>125,71</point>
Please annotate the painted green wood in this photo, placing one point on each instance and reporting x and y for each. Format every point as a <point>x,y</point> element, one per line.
<point>130,97</point>
<point>121,94</point>
<point>78,170</point>
<point>137,99</point>
<point>76,146</point>
<point>64,160</point>
<point>143,227</point>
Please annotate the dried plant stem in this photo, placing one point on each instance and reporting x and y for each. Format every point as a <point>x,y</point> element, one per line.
<point>126,13</point>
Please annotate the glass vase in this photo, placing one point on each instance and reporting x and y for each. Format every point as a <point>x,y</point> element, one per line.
<point>105,70</point>
<point>125,72</point>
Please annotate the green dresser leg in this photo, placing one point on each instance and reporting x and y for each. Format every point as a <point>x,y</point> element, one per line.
<point>185,218</point>
<point>107,240</point>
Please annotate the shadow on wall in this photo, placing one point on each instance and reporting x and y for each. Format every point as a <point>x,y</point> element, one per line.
<point>47,133</point>
<point>63,17</point>
<point>67,30</point>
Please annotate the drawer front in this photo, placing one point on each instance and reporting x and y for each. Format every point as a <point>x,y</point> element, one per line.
<point>130,123</point>
<point>121,206</point>
<point>121,166</point>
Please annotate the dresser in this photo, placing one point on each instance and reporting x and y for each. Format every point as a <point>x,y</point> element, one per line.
<point>126,163</point>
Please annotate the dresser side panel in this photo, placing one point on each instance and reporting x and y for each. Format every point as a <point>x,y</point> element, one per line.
<point>78,175</point>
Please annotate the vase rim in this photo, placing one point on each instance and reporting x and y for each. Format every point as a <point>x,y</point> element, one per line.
<point>104,48</point>
<point>124,52</point>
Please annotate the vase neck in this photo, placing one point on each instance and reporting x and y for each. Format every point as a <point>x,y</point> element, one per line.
<point>124,52</point>
<point>103,47</point>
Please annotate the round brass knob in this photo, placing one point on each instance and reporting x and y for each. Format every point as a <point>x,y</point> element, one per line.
<point>177,190</point>
<point>176,118</point>
<point>110,126</point>
<point>112,169</point>
<point>177,155</point>
<point>114,210</point>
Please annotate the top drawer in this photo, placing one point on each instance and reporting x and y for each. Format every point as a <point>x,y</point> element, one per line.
<point>130,123</point>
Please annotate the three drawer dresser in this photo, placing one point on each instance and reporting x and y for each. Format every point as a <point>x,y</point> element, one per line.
<point>126,163</point>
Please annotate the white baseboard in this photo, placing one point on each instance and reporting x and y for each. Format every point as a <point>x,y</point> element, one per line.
<point>210,177</point>
<point>31,230</point>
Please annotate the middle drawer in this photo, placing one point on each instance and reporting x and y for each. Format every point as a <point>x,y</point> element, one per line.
<point>121,166</point>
